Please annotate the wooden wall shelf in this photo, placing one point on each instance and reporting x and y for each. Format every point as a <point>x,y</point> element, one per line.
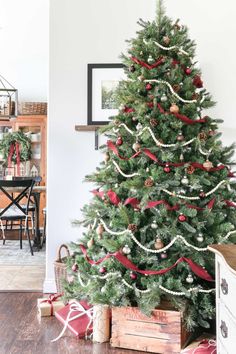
<point>87,128</point>
<point>90,128</point>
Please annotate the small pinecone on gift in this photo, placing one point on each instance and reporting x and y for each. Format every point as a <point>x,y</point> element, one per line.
<point>132,227</point>
<point>149,182</point>
<point>153,122</point>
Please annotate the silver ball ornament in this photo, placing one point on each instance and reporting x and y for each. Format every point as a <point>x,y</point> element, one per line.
<point>189,279</point>
<point>139,126</point>
<point>200,238</point>
<point>185,181</point>
<point>154,225</point>
<point>163,98</point>
<point>126,249</point>
<point>150,59</point>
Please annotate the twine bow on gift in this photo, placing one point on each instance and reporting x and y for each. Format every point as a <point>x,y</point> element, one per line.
<point>52,298</point>
<point>75,307</point>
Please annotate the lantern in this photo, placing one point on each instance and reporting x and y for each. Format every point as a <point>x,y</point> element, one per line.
<point>8,100</point>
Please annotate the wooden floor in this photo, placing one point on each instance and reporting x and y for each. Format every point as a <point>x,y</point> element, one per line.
<point>21,331</point>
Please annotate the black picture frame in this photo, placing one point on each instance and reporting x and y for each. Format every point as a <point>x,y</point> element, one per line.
<point>91,119</point>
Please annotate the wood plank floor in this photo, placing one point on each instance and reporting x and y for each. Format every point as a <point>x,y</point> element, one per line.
<point>22,332</point>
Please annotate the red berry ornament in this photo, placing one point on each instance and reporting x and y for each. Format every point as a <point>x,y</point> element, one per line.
<point>202,194</point>
<point>164,255</point>
<point>188,71</point>
<point>133,276</point>
<point>75,267</point>
<point>167,168</point>
<point>182,218</point>
<point>148,87</point>
<point>103,270</point>
<point>119,141</point>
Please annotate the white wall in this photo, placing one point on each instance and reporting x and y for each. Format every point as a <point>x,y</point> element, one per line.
<point>24,47</point>
<point>93,31</point>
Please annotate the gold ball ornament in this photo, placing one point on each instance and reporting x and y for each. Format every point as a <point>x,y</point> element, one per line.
<point>174,108</point>
<point>136,146</point>
<point>90,243</point>
<point>158,244</point>
<point>208,165</point>
<point>99,230</point>
<point>166,40</point>
<point>106,157</point>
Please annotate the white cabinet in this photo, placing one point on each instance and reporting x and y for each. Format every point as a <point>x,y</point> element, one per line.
<point>225,297</point>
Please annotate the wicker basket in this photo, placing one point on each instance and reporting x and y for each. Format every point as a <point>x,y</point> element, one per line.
<point>31,108</point>
<point>60,267</point>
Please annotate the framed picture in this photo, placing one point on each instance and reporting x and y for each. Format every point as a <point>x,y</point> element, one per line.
<point>103,80</point>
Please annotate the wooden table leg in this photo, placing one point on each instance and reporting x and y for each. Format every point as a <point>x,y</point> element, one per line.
<point>37,239</point>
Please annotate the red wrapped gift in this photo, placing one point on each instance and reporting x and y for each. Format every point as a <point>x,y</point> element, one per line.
<point>205,346</point>
<point>77,317</point>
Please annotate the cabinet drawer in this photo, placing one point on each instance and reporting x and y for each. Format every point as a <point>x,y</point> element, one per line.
<point>227,288</point>
<point>221,349</point>
<point>226,329</point>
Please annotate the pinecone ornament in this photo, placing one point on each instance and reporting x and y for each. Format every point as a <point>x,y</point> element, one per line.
<point>132,227</point>
<point>190,169</point>
<point>153,122</point>
<point>202,136</point>
<point>149,182</point>
<point>176,87</point>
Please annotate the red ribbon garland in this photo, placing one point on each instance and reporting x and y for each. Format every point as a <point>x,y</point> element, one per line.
<point>197,269</point>
<point>17,147</point>
<point>52,298</point>
<point>148,153</point>
<point>10,154</point>
<point>134,202</point>
<point>14,147</point>
<point>182,117</point>
<point>147,66</point>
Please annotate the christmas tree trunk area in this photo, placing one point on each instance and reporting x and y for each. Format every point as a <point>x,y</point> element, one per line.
<point>165,189</point>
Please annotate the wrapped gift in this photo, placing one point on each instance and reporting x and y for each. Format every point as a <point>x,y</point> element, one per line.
<point>77,317</point>
<point>203,346</point>
<point>48,306</point>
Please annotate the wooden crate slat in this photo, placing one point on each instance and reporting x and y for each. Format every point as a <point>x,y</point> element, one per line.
<point>158,316</point>
<point>153,345</point>
<point>148,329</point>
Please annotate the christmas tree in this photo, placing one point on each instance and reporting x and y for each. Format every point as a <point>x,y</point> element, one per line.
<point>164,190</point>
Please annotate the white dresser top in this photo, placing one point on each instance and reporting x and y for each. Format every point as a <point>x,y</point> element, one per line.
<point>227,253</point>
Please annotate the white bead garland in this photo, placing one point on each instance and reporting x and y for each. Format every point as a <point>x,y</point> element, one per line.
<point>176,293</point>
<point>123,174</point>
<point>228,235</point>
<point>178,237</point>
<point>194,198</point>
<point>203,152</point>
<point>153,136</point>
<point>181,293</point>
<point>168,48</point>
<point>171,89</point>
<point>113,232</point>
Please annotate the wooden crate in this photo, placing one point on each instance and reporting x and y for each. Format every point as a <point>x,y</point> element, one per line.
<point>163,332</point>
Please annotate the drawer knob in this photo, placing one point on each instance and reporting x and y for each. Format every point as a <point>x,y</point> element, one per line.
<point>224,329</point>
<point>224,286</point>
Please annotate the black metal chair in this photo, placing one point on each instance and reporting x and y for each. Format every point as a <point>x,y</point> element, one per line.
<point>16,191</point>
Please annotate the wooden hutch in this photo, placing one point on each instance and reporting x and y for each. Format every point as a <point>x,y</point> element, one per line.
<point>35,126</point>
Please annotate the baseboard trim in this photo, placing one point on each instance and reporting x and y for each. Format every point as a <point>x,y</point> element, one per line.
<point>49,286</point>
